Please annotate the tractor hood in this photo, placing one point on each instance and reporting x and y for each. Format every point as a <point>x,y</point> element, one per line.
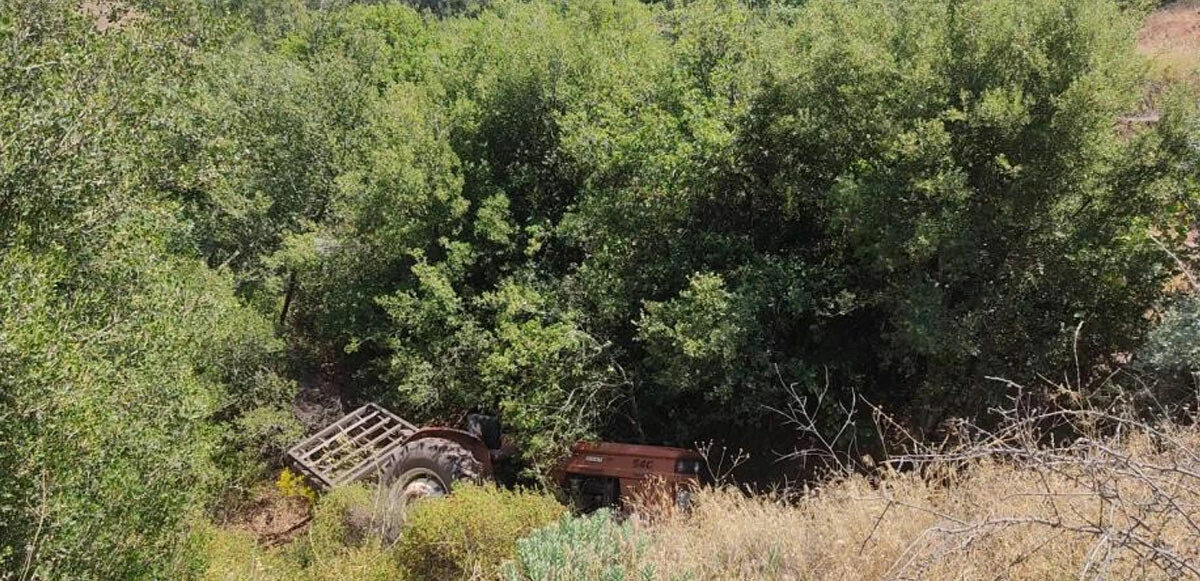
<point>638,450</point>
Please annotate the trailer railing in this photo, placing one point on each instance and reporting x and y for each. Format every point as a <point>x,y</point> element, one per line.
<point>352,448</point>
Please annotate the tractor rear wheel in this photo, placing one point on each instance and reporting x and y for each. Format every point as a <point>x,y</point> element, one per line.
<point>428,468</point>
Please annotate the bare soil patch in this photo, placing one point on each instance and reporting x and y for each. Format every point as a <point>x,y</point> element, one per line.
<point>272,518</point>
<point>108,14</point>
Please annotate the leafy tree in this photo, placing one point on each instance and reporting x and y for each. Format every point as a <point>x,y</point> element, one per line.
<point>125,359</point>
<point>618,219</point>
<point>716,201</point>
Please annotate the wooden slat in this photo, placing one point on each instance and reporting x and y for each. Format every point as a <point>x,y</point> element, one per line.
<point>394,429</point>
<point>359,441</point>
<point>362,469</point>
<point>334,430</point>
<point>350,440</point>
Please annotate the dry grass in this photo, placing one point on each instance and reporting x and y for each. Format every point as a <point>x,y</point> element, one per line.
<point>1000,506</point>
<point>1170,38</point>
<point>998,524</point>
<point>1121,507</point>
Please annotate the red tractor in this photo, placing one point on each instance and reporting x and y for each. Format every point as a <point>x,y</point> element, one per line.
<point>373,443</point>
<point>599,474</point>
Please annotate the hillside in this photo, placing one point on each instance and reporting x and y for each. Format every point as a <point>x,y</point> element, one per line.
<point>930,265</point>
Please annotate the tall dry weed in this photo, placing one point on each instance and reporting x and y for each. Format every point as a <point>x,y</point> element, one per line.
<point>1120,501</point>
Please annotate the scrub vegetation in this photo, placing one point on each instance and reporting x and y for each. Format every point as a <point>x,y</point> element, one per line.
<point>840,235</point>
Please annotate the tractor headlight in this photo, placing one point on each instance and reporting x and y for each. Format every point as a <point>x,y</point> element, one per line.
<point>687,466</point>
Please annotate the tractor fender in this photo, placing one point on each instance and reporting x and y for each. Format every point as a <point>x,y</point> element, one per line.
<point>463,438</point>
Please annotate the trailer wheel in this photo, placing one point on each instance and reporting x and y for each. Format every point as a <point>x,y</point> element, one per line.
<point>428,468</point>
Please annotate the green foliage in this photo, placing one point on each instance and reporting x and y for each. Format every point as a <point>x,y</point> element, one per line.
<point>884,191</point>
<point>386,43</point>
<point>1174,345</point>
<point>216,554</point>
<point>1170,354</point>
<point>256,151</point>
<point>593,548</point>
<point>125,359</point>
<point>345,518</point>
<point>292,485</point>
<point>952,219</point>
<point>695,336</point>
<point>676,221</point>
<point>597,218</point>
<point>109,396</point>
<point>470,533</point>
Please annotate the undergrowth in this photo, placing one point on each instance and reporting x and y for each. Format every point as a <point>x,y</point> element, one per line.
<point>468,535</point>
<point>1121,500</point>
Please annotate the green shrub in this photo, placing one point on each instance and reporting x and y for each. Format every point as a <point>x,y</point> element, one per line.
<point>231,554</point>
<point>256,443</point>
<point>372,562</point>
<point>594,547</point>
<point>293,485</point>
<point>346,517</point>
<point>472,532</point>
<point>342,543</point>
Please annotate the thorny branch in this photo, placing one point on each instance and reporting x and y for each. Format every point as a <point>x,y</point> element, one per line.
<point>804,413</point>
<point>1129,486</point>
<point>1142,477</point>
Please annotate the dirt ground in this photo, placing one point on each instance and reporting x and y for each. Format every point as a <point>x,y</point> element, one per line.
<point>108,14</point>
<point>273,519</point>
